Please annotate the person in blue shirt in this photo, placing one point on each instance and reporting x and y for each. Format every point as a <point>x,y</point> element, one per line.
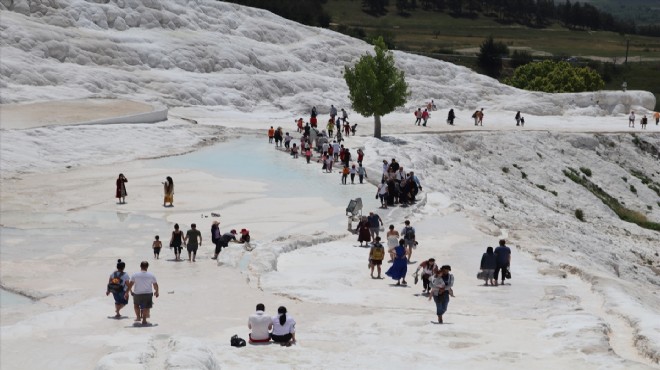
<point>503,255</point>
<point>375,222</point>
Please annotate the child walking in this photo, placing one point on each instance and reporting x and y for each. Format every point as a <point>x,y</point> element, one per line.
<point>157,245</point>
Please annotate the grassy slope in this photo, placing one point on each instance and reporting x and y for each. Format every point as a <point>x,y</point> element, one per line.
<point>431,32</point>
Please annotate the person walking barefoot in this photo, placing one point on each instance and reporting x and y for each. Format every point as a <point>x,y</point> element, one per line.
<point>441,289</point>
<point>140,286</point>
<point>118,286</point>
<point>399,267</point>
<point>156,246</point>
<point>176,242</point>
<point>376,256</point>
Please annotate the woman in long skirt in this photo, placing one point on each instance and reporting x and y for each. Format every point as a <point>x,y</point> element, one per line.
<point>168,188</point>
<point>120,193</point>
<point>364,235</point>
<point>400,265</point>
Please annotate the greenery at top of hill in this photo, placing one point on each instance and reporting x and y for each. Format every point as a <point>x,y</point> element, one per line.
<point>309,12</point>
<point>556,77</point>
<point>642,12</point>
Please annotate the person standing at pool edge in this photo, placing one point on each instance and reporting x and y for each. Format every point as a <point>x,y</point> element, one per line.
<point>121,188</point>
<point>168,188</point>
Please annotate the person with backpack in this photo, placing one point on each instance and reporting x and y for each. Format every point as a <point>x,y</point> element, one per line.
<point>118,286</point>
<point>408,234</point>
<point>376,256</point>
<point>518,118</point>
<point>418,116</point>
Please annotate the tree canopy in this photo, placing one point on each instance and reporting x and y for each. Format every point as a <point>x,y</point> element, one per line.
<point>490,56</point>
<point>555,77</point>
<point>376,87</point>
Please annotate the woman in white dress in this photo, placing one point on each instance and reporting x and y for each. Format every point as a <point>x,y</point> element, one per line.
<point>392,241</point>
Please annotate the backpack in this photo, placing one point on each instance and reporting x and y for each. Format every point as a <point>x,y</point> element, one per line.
<point>235,341</point>
<point>116,285</point>
<point>378,254</point>
<point>409,233</point>
<point>474,115</point>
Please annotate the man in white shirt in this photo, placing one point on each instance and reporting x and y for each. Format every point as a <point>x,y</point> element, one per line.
<point>140,287</point>
<point>261,325</point>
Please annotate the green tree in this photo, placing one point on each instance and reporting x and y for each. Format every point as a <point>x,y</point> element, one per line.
<point>490,56</point>
<point>555,77</point>
<point>376,87</point>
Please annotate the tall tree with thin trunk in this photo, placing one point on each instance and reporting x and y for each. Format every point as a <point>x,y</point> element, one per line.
<point>376,87</point>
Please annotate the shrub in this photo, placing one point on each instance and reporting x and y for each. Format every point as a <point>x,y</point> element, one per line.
<point>633,189</point>
<point>524,175</point>
<point>542,187</point>
<point>586,171</point>
<point>554,192</point>
<point>505,169</point>
<point>579,214</point>
<point>555,77</point>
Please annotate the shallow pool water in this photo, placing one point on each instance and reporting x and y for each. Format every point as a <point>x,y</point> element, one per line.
<point>255,159</point>
<point>10,299</point>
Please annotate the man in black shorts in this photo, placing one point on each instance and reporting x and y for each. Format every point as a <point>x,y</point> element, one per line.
<point>191,241</point>
<point>140,286</point>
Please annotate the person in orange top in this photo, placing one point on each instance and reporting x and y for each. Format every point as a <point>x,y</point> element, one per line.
<point>656,115</point>
<point>271,134</point>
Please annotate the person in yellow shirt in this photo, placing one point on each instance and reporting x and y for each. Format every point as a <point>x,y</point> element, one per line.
<point>656,116</point>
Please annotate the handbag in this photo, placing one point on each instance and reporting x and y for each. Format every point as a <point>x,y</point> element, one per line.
<point>481,275</point>
<point>237,342</point>
<point>507,273</point>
